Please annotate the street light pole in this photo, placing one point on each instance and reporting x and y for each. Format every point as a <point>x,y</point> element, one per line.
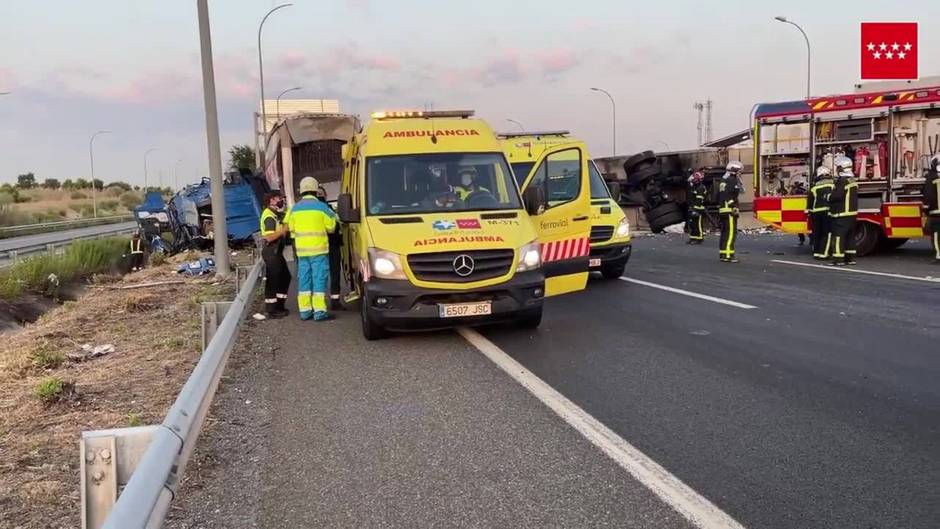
<point>278,106</point>
<point>150,150</point>
<point>219,229</point>
<point>614,108</point>
<point>809,52</point>
<point>91,158</point>
<point>514,122</point>
<point>264,115</point>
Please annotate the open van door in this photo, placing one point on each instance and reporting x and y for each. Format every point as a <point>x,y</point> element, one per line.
<point>563,224</point>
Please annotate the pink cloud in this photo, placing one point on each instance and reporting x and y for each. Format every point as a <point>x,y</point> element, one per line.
<point>506,68</point>
<point>554,62</point>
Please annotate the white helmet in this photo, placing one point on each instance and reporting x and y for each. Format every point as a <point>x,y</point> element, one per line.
<point>934,162</point>
<point>308,184</point>
<point>734,167</point>
<point>844,166</point>
<point>823,172</point>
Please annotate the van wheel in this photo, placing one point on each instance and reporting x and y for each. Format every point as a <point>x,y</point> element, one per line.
<point>530,319</point>
<point>613,272</point>
<point>370,330</point>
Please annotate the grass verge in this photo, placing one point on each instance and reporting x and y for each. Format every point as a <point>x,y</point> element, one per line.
<point>44,274</point>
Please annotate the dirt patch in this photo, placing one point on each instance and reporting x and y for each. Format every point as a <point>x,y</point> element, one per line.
<point>26,308</point>
<point>156,337</point>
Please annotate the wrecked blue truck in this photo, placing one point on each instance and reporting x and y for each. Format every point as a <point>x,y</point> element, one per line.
<point>190,212</point>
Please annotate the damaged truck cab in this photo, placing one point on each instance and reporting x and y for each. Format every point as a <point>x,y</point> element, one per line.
<point>437,234</point>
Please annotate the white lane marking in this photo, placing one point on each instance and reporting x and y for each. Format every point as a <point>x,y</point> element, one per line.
<point>688,293</point>
<point>857,271</point>
<point>670,489</point>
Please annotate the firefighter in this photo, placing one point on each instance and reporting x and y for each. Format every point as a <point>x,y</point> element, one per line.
<point>336,241</point>
<point>799,188</point>
<point>696,208</point>
<point>843,210</point>
<point>932,200</point>
<point>728,190</point>
<point>136,253</point>
<point>817,210</point>
<point>310,222</point>
<point>274,233</point>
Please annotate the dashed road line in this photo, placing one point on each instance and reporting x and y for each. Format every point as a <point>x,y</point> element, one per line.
<point>691,294</point>
<point>670,489</point>
<point>857,271</point>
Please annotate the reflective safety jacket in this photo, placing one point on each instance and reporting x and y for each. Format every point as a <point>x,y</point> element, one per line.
<point>932,193</point>
<point>270,222</point>
<point>818,199</point>
<point>464,192</point>
<point>728,190</point>
<point>136,246</point>
<point>310,222</point>
<point>697,201</point>
<point>843,200</point>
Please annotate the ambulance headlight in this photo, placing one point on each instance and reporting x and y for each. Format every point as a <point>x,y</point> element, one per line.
<point>530,257</point>
<point>623,229</point>
<point>385,264</point>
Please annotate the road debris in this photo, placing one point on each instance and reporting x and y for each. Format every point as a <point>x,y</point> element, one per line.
<point>88,352</point>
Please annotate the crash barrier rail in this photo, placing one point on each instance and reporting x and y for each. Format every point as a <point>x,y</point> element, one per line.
<point>45,227</point>
<point>10,256</point>
<point>151,460</point>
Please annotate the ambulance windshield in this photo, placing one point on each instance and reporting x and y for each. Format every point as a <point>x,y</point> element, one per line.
<point>430,183</point>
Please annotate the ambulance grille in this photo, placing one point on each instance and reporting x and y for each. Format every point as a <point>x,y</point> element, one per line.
<point>601,233</point>
<point>439,266</point>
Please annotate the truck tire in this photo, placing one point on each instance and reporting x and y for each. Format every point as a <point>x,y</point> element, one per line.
<point>530,319</point>
<point>630,163</point>
<point>643,174</point>
<point>370,329</point>
<point>665,214</point>
<point>866,237</point>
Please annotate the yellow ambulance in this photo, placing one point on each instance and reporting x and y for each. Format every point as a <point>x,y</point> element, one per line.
<point>436,230</point>
<point>610,231</point>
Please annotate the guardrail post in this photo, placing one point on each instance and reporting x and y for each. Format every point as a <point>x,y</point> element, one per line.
<point>108,459</point>
<point>13,255</point>
<point>212,314</point>
<point>50,248</point>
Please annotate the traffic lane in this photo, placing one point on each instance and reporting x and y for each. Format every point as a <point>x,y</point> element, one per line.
<point>28,241</point>
<point>422,430</point>
<point>729,402</point>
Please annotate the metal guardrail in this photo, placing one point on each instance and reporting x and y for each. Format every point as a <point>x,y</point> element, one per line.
<point>152,475</point>
<point>45,227</point>
<point>9,257</point>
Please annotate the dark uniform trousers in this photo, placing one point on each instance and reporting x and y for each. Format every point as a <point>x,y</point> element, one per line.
<point>729,234</point>
<point>821,237</point>
<point>843,243</point>
<point>696,233</point>
<point>933,223</point>
<point>335,240</point>
<point>277,274</point>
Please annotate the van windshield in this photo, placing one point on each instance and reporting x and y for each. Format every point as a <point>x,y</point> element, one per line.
<point>430,183</point>
<point>598,186</point>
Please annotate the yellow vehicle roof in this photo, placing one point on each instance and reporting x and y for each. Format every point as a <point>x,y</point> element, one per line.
<point>389,136</point>
<point>527,147</point>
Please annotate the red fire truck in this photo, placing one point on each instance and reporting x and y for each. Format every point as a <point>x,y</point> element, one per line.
<point>889,130</point>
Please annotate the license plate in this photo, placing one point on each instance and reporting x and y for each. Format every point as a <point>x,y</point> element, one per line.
<point>594,262</point>
<point>458,310</point>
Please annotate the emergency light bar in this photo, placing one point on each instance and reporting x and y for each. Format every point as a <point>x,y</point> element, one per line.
<point>533,133</point>
<point>423,114</point>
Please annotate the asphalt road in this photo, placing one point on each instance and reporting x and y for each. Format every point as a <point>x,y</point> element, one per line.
<point>28,241</point>
<point>818,406</point>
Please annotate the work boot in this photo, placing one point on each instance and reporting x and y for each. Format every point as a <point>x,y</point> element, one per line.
<point>279,306</point>
<point>325,317</point>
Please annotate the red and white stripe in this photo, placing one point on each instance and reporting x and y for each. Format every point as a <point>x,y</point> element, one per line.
<point>565,249</point>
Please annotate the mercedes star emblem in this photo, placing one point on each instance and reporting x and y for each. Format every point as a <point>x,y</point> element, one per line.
<point>463,265</point>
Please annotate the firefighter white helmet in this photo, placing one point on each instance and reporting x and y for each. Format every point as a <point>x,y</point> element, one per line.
<point>823,172</point>
<point>734,167</point>
<point>844,166</point>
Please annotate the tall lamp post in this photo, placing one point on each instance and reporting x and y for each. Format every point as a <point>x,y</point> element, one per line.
<point>809,53</point>
<point>278,106</point>
<point>613,105</point>
<point>516,123</point>
<point>91,158</point>
<point>264,115</point>
<point>150,150</point>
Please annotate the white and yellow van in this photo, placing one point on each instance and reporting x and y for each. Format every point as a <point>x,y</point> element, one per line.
<point>610,231</point>
<point>436,232</point>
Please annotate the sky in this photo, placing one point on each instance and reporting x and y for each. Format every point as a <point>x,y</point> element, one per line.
<point>132,67</point>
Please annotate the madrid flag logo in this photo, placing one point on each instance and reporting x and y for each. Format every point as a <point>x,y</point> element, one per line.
<point>889,50</point>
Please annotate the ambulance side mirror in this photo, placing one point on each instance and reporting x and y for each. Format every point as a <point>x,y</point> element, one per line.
<point>614,188</point>
<point>345,209</point>
<point>534,199</point>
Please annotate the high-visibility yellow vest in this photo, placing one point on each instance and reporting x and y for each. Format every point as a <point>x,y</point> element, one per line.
<point>135,246</point>
<point>310,221</point>
<point>265,215</point>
